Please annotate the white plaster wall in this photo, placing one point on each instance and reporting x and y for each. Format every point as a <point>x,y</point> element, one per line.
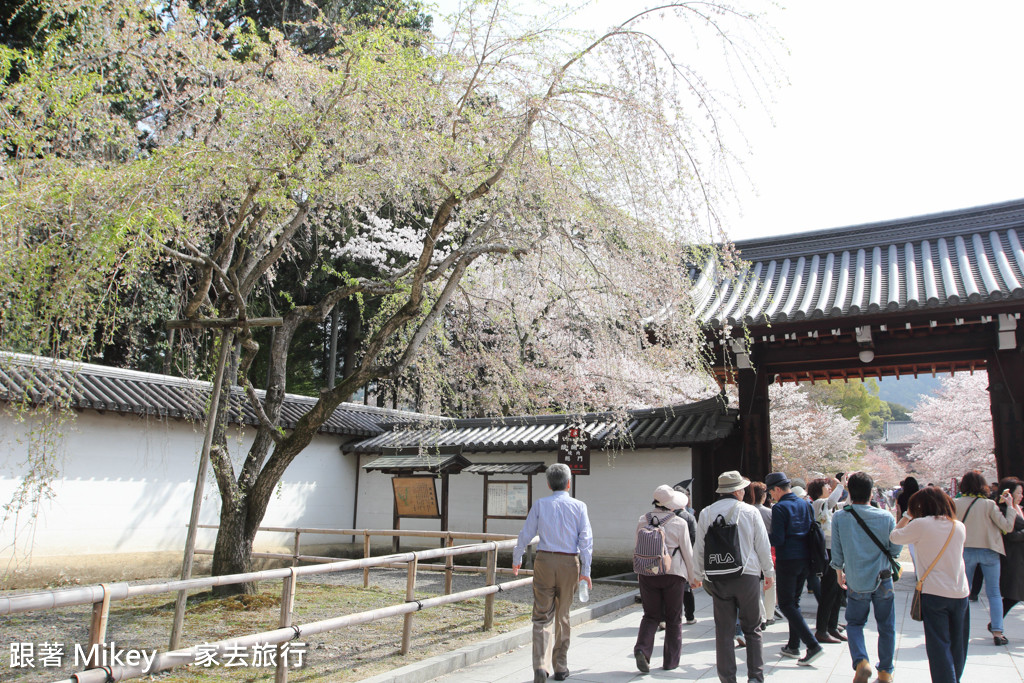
<point>126,486</point>
<point>617,492</point>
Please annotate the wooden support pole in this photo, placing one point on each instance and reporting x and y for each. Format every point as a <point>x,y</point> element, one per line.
<point>295,554</point>
<point>449,564</point>
<point>492,567</point>
<point>410,596</point>
<point>287,607</point>
<point>197,495</point>
<point>366,554</point>
<point>98,627</point>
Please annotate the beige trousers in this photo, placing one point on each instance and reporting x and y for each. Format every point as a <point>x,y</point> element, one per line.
<point>554,583</point>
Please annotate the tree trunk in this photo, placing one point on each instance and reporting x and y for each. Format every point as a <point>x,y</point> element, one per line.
<point>233,551</point>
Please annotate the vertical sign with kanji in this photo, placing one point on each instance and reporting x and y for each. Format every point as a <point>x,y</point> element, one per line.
<point>574,449</point>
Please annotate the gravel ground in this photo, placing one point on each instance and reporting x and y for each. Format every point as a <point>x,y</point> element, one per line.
<point>347,654</point>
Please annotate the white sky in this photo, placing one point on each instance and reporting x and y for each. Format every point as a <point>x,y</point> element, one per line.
<point>894,108</point>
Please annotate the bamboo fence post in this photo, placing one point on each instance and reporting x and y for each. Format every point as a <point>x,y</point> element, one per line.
<point>449,564</point>
<point>410,596</point>
<point>366,554</point>
<point>295,554</point>
<point>98,626</point>
<point>492,570</point>
<point>287,607</point>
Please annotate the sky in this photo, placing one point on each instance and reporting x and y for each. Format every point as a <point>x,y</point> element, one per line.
<point>893,108</point>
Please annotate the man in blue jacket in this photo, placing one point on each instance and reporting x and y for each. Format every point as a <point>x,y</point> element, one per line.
<point>791,522</point>
<point>865,570</point>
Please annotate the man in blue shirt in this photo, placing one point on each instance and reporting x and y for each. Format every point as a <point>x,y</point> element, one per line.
<point>865,571</point>
<point>791,522</point>
<point>563,558</point>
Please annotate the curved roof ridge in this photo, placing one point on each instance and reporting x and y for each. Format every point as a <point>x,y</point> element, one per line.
<point>953,258</point>
<point>853,237</point>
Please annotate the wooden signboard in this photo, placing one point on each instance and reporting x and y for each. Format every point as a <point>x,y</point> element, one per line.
<point>574,450</point>
<point>415,497</point>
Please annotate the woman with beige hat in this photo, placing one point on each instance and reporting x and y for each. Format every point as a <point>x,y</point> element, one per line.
<point>662,582</point>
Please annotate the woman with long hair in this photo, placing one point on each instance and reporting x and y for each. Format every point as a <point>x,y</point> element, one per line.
<point>909,487</point>
<point>986,524</point>
<point>930,523</point>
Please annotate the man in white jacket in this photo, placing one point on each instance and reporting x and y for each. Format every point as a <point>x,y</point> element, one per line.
<point>741,594</point>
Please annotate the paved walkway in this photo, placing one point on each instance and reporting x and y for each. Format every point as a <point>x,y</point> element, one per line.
<point>602,650</point>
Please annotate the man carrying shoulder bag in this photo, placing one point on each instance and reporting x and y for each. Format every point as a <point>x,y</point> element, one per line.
<point>862,555</point>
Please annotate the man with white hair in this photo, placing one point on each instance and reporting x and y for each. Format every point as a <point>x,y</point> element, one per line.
<point>563,559</point>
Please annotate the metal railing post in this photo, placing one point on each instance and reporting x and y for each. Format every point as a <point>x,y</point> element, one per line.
<point>98,627</point>
<point>449,564</point>
<point>366,554</point>
<point>287,607</point>
<point>410,596</point>
<point>492,570</point>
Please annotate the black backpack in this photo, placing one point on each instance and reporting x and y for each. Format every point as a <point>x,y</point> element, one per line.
<point>816,548</point>
<point>722,558</point>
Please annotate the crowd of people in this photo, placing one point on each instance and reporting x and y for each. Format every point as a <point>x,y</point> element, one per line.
<point>837,537</point>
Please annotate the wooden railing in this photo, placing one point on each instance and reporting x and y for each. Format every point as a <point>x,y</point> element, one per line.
<point>449,538</point>
<point>101,597</point>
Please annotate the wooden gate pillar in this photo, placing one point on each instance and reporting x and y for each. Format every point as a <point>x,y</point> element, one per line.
<point>1006,398</point>
<point>755,458</point>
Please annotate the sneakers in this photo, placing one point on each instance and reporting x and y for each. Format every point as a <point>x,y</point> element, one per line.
<point>811,656</point>
<point>863,672</point>
<point>791,652</point>
<point>642,664</point>
<point>690,622</point>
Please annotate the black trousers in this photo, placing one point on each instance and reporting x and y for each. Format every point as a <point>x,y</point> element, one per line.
<point>830,602</point>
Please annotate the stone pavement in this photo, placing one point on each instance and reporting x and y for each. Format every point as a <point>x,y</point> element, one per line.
<point>602,651</point>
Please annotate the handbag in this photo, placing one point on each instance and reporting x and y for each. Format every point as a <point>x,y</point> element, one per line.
<point>915,602</point>
<point>897,568</point>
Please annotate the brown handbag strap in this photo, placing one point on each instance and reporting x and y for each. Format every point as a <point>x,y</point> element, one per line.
<point>920,582</point>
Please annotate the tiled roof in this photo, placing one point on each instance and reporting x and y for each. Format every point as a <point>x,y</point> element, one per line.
<point>127,391</point>
<point>684,425</point>
<point>507,468</point>
<point>451,464</point>
<point>948,259</point>
<point>901,431</point>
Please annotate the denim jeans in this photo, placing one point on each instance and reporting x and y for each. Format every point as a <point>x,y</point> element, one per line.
<point>988,560</point>
<point>789,578</point>
<point>945,636</point>
<point>857,607</point>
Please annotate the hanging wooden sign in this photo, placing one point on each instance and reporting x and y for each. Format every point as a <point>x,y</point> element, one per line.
<point>574,449</point>
<point>415,496</point>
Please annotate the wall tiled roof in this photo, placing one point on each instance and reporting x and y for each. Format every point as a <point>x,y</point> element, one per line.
<point>98,387</point>
<point>948,259</point>
<point>901,431</point>
<point>685,425</point>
